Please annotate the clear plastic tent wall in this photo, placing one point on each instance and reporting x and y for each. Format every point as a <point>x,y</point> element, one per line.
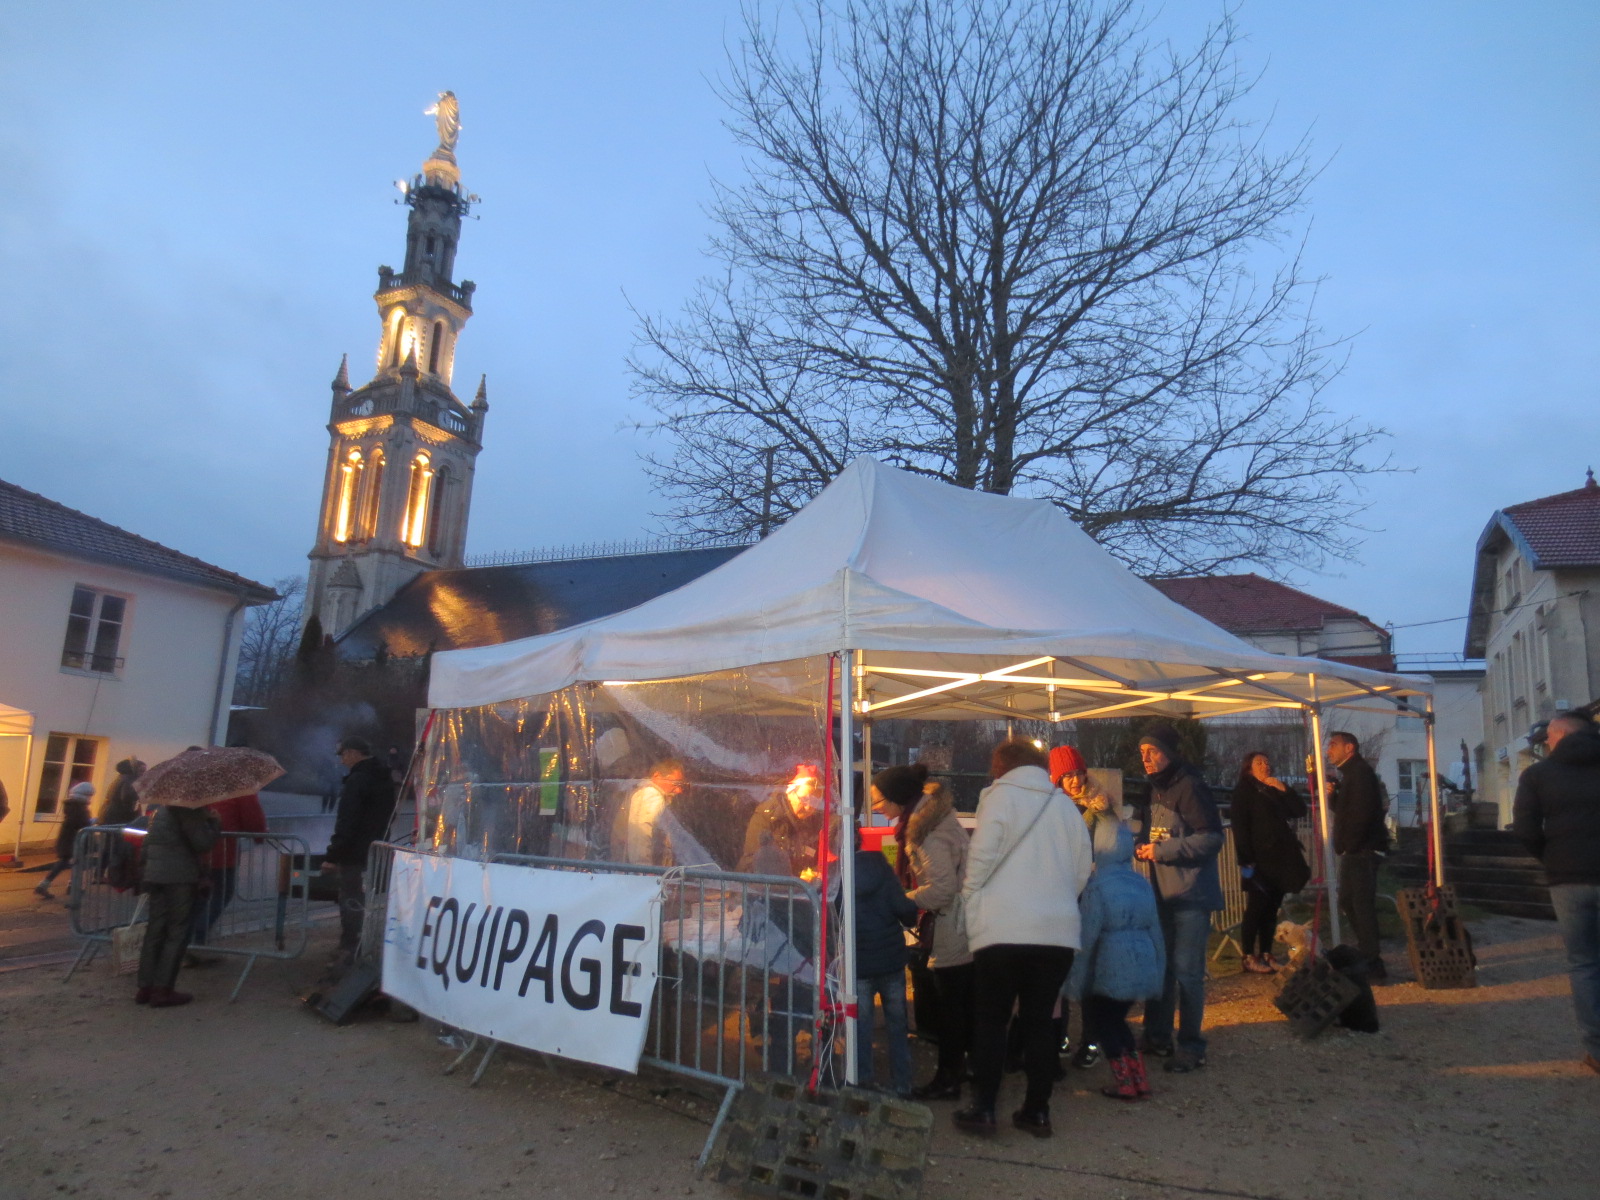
<point>587,774</point>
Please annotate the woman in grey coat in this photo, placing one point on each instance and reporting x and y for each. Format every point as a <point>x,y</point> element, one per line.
<point>932,865</point>
<point>1123,960</point>
<point>176,860</point>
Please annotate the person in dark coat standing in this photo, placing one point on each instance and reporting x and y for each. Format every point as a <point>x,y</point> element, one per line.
<point>1181,841</point>
<point>1271,862</point>
<point>366,803</point>
<point>1556,815</point>
<point>74,816</point>
<point>173,875</point>
<point>122,802</point>
<point>883,914</point>
<point>1360,838</point>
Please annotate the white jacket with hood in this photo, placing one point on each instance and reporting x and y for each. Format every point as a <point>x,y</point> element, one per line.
<point>1028,897</point>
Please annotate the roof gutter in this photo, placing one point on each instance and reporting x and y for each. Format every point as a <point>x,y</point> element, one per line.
<point>222,666</point>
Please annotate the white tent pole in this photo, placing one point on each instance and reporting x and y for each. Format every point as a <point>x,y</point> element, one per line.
<point>1435,829</point>
<point>847,857</point>
<point>27,789</point>
<point>1330,865</point>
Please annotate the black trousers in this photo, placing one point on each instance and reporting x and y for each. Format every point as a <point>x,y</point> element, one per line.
<point>956,994</point>
<point>1358,899</point>
<point>1259,928</point>
<point>1029,977</point>
<point>167,935</point>
<point>1105,1022</point>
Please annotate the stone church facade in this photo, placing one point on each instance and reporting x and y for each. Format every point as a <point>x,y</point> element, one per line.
<point>402,447</point>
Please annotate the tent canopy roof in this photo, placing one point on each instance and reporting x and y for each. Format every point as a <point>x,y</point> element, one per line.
<point>1001,606</point>
<point>15,722</point>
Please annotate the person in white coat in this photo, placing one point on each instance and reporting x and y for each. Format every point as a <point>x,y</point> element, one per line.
<point>1029,860</point>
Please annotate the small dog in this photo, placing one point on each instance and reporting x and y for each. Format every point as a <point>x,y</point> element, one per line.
<point>1297,938</point>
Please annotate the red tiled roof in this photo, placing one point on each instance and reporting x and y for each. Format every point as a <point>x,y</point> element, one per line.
<point>1562,530</point>
<point>1250,604</point>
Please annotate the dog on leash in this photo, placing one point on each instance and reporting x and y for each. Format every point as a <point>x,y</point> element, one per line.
<point>1297,938</point>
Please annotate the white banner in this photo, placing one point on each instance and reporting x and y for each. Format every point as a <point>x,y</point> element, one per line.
<point>559,961</point>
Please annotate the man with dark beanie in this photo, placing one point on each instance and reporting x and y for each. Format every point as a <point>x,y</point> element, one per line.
<point>1181,841</point>
<point>1360,837</point>
<point>366,802</point>
<point>1557,817</point>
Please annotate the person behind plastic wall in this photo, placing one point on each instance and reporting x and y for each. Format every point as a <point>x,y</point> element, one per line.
<point>932,865</point>
<point>783,835</point>
<point>638,832</point>
<point>1556,815</point>
<point>1182,840</point>
<point>1029,859</point>
<point>1271,862</point>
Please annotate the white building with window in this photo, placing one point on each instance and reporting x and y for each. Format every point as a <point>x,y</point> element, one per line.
<point>111,645</point>
<point>1535,619</point>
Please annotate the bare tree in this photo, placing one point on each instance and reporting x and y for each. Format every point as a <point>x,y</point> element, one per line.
<point>267,646</point>
<point>1012,246</point>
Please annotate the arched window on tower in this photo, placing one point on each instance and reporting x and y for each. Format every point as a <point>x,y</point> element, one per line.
<point>436,347</point>
<point>397,329</point>
<point>441,497</point>
<point>418,502</point>
<point>344,506</point>
<point>367,526</point>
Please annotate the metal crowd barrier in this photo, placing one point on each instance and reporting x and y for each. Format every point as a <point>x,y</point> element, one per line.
<point>260,904</point>
<point>736,988</point>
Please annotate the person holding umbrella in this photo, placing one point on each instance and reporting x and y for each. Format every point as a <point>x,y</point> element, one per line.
<point>177,853</point>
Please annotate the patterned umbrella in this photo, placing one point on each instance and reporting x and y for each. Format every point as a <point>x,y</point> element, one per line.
<point>197,778</point>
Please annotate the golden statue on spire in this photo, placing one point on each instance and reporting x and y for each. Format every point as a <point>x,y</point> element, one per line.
<point>440,168</point>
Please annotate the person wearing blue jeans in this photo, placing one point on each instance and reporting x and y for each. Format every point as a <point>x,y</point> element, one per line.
<point>1557,817</point>
<point>883,914</point>
<point>1181,840</point>
<point>890,991</point>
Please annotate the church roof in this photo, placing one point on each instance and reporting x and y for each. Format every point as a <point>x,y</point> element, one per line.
<point>481,606</point>
<point>36,520</point>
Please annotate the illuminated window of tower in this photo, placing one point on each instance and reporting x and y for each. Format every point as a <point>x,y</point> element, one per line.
<point>418,499</point>
<point>349,482</point>
<point>441,496</point>
<point>433,350</point>
<point>397,325</point>
<point>367,526</point>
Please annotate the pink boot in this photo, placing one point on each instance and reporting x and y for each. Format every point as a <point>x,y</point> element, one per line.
<point>1141,1081</point>
<point>1124,1088</point>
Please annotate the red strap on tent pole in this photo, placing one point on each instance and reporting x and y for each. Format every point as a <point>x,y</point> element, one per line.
<point>411,767</point>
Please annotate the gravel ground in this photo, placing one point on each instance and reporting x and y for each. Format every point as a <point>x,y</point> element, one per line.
<point>1464,1094</point>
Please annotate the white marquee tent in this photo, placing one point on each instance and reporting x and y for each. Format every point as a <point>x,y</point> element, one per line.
<point>942,603</point>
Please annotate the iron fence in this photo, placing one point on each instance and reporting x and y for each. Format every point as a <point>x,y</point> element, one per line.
<point>258,902</point>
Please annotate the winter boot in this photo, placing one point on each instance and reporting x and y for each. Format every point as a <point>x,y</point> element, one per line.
<point>1124,1088</point>
<point>168,998</point>
<point>1141,1081</point>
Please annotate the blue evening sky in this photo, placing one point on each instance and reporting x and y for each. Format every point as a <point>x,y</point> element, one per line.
<point>195,198</point>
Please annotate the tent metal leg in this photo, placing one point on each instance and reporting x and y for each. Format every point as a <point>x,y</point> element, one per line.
<point>1435,825</point>
<point>1330,865</point>
<point>849,664</point>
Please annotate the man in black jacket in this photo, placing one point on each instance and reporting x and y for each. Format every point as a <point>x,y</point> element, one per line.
<point>1557,817</point>
<point>1359,839</point>
<point>366,802</point>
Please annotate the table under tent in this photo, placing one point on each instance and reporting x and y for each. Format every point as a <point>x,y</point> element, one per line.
<point>888,596</point>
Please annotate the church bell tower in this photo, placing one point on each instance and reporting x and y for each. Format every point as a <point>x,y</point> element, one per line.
<point>402,450</point>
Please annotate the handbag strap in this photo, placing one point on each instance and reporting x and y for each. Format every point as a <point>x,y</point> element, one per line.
<point>995,870</point>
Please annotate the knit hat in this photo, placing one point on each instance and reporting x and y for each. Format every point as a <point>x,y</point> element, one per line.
<point>1063,761</point>
<point>901,785</point>
<point>81,791</point>
<point>1164,738</point>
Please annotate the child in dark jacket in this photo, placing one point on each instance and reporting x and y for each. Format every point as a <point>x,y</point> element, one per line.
<point>883,913</point>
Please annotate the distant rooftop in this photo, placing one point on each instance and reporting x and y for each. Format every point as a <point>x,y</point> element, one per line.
<point>486,605</point>
<point>36,520</point>
<point>1561,530</point>
<point>1252,604</point>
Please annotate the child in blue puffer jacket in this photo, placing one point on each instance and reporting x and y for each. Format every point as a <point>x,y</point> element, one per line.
<point>1123,959</point>
<point>883,914</point>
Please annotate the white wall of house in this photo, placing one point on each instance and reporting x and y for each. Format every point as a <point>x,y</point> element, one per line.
<point>1542,655</point>
<point>160,699</point>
